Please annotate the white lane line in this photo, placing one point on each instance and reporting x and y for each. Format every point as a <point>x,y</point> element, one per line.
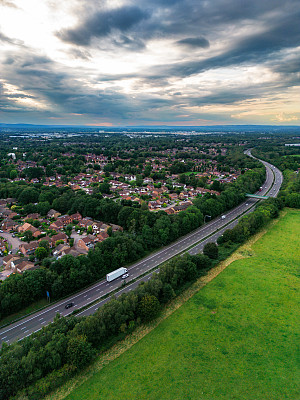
<point>41,319</point>
<point>3,338</point>
<point>26,331</point>
<point>23,328</point>
<point>43,322</point>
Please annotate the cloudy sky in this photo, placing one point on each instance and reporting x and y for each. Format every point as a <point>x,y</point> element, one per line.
<point>149,62</point>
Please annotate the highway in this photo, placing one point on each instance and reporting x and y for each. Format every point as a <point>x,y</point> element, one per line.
<point>193,243</point>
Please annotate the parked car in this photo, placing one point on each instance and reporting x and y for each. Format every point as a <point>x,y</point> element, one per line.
<point>69,305</point>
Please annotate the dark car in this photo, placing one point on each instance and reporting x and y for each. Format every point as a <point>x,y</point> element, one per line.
<point>69,305</point>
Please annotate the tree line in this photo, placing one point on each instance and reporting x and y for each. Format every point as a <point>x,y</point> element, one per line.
<point>144,231</point>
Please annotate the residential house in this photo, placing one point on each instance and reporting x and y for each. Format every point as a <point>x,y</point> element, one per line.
<point>59,236</point>
<point>8,259</point>
<point>87,243</point>
<point>25,227</point>
<point>21,265</point>
<point>33,216</point>
<point>76,217</point>
<point>9,225</point>
<point>65,219</point>
<point>56,225</point>
<point>58,251</point>
<point>85,222</point>
<point>28,248</point>
<point>102,236</point>
<point>53,214</point>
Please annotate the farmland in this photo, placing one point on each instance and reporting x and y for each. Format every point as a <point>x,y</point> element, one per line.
<point>234,339</point>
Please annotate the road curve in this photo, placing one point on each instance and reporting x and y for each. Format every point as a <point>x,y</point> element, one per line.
<point>193,243</point>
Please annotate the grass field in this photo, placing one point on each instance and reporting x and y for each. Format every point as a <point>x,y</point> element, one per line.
<point>235,339</point>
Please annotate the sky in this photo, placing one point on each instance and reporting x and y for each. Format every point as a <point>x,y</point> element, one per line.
<point>150,62</point>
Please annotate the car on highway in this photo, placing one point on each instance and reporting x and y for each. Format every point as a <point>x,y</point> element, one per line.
<point>223,216</point>
<point>69,305</point>
<point>125,276</point>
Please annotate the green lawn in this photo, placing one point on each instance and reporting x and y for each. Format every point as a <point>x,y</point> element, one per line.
<point>235,339</point>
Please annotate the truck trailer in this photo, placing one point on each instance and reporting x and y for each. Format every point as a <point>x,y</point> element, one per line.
<point>116,274</point>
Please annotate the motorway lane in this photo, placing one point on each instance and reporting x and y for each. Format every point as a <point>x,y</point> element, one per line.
<point>36,321</point>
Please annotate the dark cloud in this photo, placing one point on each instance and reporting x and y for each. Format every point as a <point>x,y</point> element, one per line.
<point>235,34</point>
<point>6,39</point>
<point>83,54</point>
<point>102,24</point>
<point>194,42</point>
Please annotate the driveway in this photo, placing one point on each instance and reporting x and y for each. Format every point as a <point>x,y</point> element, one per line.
<point>13,241</point>
<point>76,237</point>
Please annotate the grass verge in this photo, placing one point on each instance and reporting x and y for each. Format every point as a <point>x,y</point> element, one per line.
<point>24,312</point>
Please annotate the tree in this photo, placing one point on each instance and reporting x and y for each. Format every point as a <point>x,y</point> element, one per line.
<point>41,253</point>
<point>43,207</point>
<point>28,235</point>
<point>13,174</point>
<point>211,250</point>
<point>148,308</point>
<point>45,244</point>
<point>79,351</point>
<point>29,195</point>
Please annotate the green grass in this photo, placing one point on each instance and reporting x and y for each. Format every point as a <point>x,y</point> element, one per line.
<point>23,313</point>
<point>235,339</point>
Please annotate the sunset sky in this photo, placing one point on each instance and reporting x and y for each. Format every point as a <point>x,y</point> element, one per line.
<point>158,62</point>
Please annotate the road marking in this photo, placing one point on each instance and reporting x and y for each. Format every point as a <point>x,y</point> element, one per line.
<point>26,331</point>
<point>4,337</point>
<point>85,295</point>
<point>43,322</point>
<point>41,319</point>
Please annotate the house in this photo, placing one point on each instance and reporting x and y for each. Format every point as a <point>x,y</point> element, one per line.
<point>58,251</point>
<point>102,236</point>
<point>25,227</point>
<point>73,252</point>
<point>182,206</point>
<point>21,265</point>
<point>9,225</point>
<point>59,236</point>
<point>28,248</point>
<point>65,219</point>
<point>53,213</point>
<point>8,259</point>
<point>76,217</point>
<point>85,223</point>
<point>98,227</point>
<point>116,228</point>
<point>87,243</point>
<point>33,216</point>
<point>56,225</point>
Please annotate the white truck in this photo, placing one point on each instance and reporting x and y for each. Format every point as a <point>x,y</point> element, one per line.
<point>115,274</point>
